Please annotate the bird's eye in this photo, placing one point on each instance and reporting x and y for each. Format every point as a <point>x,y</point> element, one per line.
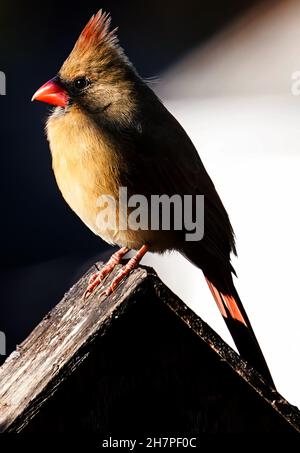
<point>81,83</point>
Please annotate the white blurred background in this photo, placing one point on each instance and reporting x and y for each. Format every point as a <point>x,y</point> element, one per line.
<point>234,98</point>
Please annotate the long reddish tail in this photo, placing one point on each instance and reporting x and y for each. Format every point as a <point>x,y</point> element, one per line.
<point>240,328</point>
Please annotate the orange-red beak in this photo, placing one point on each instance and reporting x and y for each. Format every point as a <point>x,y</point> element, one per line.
<point>52,93</point>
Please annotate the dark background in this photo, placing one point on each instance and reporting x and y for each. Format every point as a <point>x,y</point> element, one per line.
<point>44,246</point>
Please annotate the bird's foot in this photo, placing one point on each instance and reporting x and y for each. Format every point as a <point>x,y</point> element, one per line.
<point>96,279</point>
<point>132,264</point>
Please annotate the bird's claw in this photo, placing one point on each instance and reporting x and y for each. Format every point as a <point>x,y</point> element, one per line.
<point>93,277</point>
<point>97,278</point>
<point>105,293</point>
<point>94,281</point>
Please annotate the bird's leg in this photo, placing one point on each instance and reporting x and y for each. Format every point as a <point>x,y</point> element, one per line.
<point>132,264</point>
<point>97,277</point>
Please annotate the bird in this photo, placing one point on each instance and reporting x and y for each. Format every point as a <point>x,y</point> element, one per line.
<point>108,129</point>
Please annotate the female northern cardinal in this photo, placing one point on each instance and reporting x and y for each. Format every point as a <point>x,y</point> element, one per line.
<point>110,130</point>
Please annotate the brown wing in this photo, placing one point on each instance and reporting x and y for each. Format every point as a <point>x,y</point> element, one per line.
<point>163,160</point>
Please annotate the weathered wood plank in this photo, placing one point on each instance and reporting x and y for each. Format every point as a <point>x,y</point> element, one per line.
<point>60,344</point>
<point>38,361</point>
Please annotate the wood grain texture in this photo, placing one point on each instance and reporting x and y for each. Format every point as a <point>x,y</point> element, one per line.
<point>48,353</point>
<point>61,344</point>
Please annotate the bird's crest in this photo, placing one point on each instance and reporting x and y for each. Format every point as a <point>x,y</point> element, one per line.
<point>97,48</point>
<point>97,32</point>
